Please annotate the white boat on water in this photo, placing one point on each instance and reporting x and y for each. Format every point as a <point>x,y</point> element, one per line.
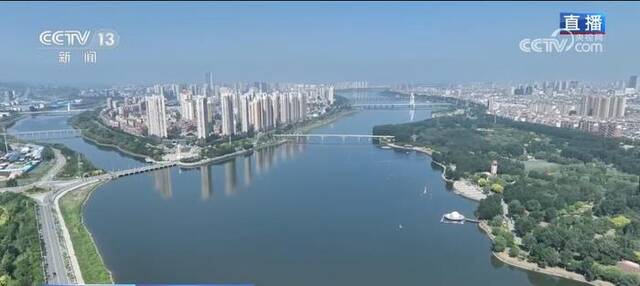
<point>425,191</point>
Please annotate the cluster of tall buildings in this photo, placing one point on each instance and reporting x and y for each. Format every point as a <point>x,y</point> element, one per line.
<point>259,111</point>
<point>198,109</point>
<point>603,107</point>
<point>607,129</point>
<point>240,109</point>
<point>547,87</point>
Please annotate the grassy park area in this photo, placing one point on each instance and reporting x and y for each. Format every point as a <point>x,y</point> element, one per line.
<point>91,264</point>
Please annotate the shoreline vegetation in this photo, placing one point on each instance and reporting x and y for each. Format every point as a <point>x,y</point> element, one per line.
<point>76,164</point>
<point>91,264</point>
<point>97,133</point>
<point>22,255</point>
<point>505,258</point>
<point>114,147</point>
<point>465,189</point>
<point>8,121</point>
<point>563,202</point>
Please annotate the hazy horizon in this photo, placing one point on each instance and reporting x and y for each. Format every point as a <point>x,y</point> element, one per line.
<point>380,42</point>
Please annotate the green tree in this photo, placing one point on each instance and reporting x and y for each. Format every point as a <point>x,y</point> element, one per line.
<point>496,222</point>
<point>586,268</point>
<point>528,241</point>
<point>516,208</point>
<point>514,251</point>
<point>566,257</point>
<point>524,225</point>
<point>620,221</point>
<point>12,182</point>
<point>532,205</point>
<point>499,244</point>
<point>489,207</point>
<point>550,256</point>
<point>497,188</point>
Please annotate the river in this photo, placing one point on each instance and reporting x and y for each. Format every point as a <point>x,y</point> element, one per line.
<point>324,213</point>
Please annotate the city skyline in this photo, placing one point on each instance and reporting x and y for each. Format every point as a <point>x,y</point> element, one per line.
<point>314,42</point>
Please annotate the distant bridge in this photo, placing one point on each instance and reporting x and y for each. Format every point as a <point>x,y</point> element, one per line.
<point>45,134</point>
<point>143,169</point>
<point>341,136</point>
<point>59,184</point>
<point>57,111</point>
<point>397,105</point>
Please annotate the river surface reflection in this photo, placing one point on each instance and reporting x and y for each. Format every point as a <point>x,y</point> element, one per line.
<point>320,213</point>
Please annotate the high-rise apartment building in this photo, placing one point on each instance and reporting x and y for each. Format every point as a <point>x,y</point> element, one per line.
<point>226,104</point>
<point>156,116</point>
<point>202,120</point>
<point>244,113</point>
<point>633,82</point>
<point>187,108</point>
<point>603,107</point>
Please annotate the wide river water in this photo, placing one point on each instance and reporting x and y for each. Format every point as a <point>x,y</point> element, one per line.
<point>322,213</point>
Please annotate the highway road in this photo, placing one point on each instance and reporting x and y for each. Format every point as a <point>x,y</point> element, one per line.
<point>56,271</point>
<point>61,265</point>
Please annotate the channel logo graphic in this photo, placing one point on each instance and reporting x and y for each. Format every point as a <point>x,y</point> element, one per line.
<point>582,23</point>
<point>103,38</point>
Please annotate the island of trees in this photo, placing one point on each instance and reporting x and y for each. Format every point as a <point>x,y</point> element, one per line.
<point>573,197</point>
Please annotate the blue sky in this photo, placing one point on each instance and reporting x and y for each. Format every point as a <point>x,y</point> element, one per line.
<point>383,42</point>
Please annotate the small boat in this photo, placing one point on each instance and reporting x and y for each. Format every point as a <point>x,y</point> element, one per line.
<point>400,226</point>
<point>425,190</point>
<point>385,147</point>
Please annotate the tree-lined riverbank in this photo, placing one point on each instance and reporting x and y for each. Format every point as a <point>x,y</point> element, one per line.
<point>561,218</point>
<point>410,245</point>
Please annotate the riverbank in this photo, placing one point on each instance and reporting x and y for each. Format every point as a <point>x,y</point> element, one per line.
<point>134,145</point>
<point>226,157</point>
<point>462,188</point>
<point>530,266</point>
<point>115,147</point>
<point>304,129</point>
<point>324,121</point>
<point>86,252</point>
<point>465,189</point>
<point>84,249</point>
<point>8,122</point>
